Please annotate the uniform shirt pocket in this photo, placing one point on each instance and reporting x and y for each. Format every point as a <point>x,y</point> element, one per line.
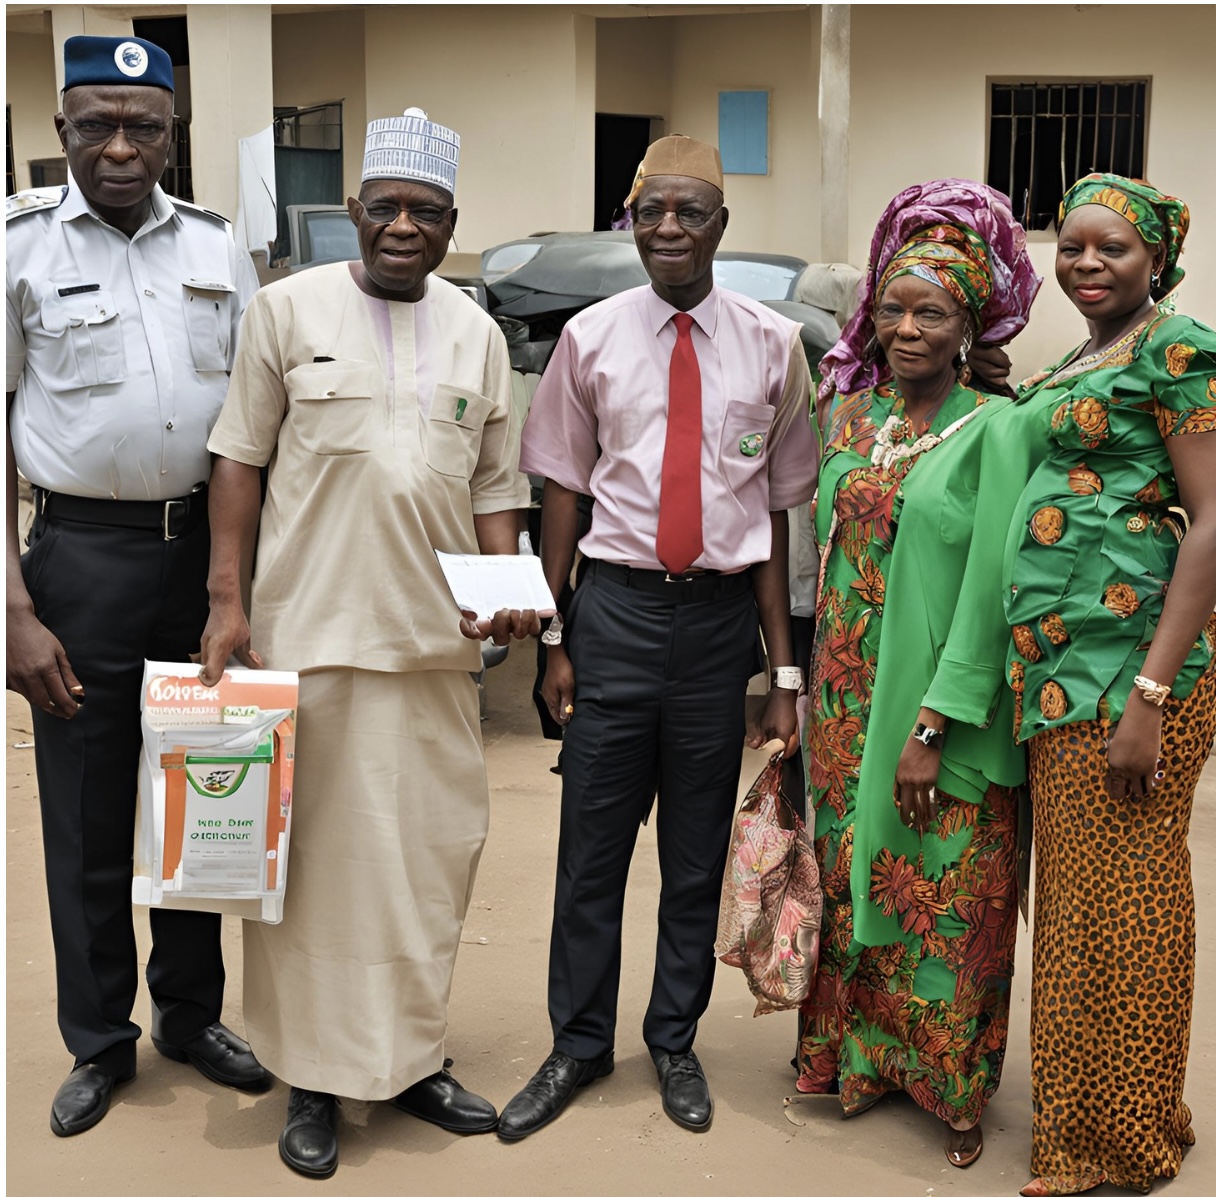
<point>453,430</point>
<point>84,347</point>
<point>333,406</point>
<point>208,311</point>
<point>743,451</point>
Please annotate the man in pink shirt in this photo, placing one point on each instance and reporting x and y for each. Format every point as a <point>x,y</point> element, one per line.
<point>683,410</point>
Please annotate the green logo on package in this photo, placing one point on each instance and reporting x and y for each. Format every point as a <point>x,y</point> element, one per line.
<point>461,405</point>
<point>749,446</point>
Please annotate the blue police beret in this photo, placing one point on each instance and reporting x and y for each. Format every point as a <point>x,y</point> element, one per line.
<point>129,60</point>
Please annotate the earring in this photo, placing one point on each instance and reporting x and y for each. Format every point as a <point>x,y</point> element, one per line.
<point>1155,279</point>
<point>869,352</point>
<point>964,372</point>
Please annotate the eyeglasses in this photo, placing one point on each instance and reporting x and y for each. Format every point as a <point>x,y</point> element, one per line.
<point>103,132</point>
<point>887,315</point>
<point>687,218</point>
<point>386,212</point>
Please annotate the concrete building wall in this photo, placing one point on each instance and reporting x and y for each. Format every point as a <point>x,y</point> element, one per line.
<point>929,123</point>
<point>513,82</point>
<point>230,82</point>
<point>633,66</point>
<point>318,58</point>
<point>773,51</point>
<point>30,93</point>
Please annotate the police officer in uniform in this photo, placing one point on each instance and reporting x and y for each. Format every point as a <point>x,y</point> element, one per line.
<point>122,311</point>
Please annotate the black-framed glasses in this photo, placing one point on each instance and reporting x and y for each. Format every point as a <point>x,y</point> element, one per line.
<point>886,315</point>
<point>386,211</point>
<point>103,132</point>
<point>649,215</point>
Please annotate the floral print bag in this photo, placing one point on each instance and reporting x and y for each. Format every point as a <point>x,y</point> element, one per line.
<point>771,898</point>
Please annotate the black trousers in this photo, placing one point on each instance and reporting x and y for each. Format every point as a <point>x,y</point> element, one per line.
<point>659,697</point>
<point>114,596</point>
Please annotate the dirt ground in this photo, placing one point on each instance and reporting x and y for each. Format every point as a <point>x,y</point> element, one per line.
<point>171,1132</point>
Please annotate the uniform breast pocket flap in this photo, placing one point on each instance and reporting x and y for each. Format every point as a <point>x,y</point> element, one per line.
<point>85,334</point>
<point>332,406</point>
<point>453,431</point>
<point>744,448</point>
<point>208,311</point>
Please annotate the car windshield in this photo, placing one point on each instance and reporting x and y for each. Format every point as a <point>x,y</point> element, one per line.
<point>505,258</point>
<point>756,280</point>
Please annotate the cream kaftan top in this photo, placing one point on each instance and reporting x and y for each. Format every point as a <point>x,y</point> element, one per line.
<point>386,425</point>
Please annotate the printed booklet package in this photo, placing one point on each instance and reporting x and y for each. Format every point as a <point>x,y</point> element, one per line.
<point>215,790</point>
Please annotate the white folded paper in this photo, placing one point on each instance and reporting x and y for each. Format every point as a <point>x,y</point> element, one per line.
<point>496,582</point>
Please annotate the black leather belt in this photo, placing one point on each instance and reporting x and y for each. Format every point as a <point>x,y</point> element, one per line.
<point>170,517</point>
<point>697,587</point>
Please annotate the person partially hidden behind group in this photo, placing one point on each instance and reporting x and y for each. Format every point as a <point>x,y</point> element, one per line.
<point>1116,691</point>
<point>916,836</point>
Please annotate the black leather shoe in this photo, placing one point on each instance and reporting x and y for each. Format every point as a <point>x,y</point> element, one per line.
<point>685,1092</point>
<point>83,1099</point>
<point>221,1057</point>
<point>443,1100</point>
<point>309,1142</point>
<point>548,1092</point>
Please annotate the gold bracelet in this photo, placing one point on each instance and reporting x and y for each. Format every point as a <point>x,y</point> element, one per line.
<point>1150,690</point>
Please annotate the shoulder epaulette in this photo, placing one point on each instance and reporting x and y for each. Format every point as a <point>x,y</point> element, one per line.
<point>37,199</point>
<point>181,203</point>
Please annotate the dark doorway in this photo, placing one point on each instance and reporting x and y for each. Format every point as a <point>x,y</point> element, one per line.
<point>620,144</point>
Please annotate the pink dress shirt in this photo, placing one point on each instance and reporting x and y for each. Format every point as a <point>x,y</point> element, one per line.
<point>598,423</point>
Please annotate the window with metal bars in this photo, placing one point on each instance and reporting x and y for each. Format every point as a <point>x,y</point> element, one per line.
<point>177,179</point>
<point>1043,137</point>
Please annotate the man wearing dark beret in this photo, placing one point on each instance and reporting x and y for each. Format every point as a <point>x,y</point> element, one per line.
<point>122,312</point>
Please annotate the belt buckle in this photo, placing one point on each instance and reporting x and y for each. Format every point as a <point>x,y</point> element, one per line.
<point>168,514</point>
<point>677,577</point>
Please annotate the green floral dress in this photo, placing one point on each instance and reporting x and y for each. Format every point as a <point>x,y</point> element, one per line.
<point>917,943</point>
<point>1093,543</point>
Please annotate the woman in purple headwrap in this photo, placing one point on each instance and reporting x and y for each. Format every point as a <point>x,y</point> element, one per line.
<point>916,836</point>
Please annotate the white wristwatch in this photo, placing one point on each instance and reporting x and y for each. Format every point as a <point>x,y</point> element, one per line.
<point>552,635</point>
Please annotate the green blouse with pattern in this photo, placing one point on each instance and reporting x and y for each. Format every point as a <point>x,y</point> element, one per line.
<point>1092,546</point>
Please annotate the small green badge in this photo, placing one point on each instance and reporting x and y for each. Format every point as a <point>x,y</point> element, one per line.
<point>749,446</point>
<point>461,404</point>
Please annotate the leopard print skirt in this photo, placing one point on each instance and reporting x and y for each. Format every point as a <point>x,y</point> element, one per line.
<point>1114,955</point>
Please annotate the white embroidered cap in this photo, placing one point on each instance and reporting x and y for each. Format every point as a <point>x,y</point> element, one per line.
<point>414,148</point>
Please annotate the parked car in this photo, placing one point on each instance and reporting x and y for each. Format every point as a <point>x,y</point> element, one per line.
<point>535,284</point>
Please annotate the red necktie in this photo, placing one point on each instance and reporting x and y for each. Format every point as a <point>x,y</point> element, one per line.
<point>679,542</point>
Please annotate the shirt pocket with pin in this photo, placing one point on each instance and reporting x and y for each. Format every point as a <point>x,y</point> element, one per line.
<point>453,430</point>
<point>333,406</point>
<point>743,451</point>
<point>84,345</point>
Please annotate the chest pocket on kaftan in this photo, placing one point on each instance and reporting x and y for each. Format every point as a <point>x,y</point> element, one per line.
<point>83,346</point>
<point>334,406</point>
<point>453,430</point>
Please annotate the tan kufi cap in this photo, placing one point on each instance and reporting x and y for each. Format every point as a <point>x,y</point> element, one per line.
<point>679,155</point>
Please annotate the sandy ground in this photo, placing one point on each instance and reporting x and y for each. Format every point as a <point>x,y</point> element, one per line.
<point>171,1132</point>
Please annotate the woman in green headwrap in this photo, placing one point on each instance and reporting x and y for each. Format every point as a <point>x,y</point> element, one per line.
<point>1115,691</point>
<point>910,754</point>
